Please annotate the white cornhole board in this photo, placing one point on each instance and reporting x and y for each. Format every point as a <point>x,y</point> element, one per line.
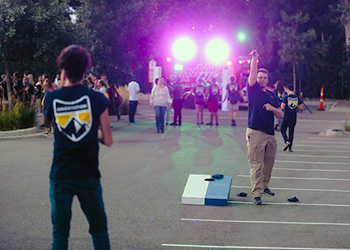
<point>198,191</point>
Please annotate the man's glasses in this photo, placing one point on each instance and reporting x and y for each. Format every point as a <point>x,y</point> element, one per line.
<point>262,78</point>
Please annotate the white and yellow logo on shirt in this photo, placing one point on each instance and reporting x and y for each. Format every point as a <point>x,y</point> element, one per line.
<point>73,119</point>
<point>292,102</point>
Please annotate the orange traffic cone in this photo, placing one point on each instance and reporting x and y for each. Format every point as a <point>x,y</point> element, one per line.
<point>321,100</point>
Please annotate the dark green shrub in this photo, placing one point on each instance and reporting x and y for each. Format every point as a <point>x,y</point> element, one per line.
<point>19,117</point>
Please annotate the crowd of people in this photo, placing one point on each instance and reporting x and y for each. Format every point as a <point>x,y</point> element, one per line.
<point>165,95</point>
<point>27,90</point>
<point>31,91</point>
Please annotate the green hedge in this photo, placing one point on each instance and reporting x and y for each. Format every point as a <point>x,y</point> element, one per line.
<point>19,117</point>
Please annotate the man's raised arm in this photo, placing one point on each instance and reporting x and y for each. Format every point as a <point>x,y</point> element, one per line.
<point>253,73</point>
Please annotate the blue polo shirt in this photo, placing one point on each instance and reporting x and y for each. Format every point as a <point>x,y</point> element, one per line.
<point>259,118</point>
<point>75,112</point>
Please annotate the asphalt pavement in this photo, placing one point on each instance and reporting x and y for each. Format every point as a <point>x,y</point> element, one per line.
<point>144,174</point>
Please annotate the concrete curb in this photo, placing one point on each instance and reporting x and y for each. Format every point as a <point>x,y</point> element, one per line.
<point>335,132</point>
<point>19,133</point>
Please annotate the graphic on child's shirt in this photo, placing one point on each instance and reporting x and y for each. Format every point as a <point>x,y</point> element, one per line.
<point>215,90</point>
<point>200,91</point>
<point>73,119</point>
<point>292,102</point>
<point>233,87</point>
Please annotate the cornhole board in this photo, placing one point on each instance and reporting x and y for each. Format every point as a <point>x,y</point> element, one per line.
<point>198,191</point>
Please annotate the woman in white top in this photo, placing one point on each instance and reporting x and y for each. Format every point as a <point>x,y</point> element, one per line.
<point>160,100</point>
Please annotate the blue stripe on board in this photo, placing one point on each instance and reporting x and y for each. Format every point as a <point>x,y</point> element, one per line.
<point>218,191</point>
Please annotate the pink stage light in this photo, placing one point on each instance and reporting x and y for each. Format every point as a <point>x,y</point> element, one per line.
<point>217,51</point>
<point>184,49</point>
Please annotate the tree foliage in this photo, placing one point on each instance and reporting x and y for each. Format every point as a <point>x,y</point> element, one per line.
<point>121,34</point>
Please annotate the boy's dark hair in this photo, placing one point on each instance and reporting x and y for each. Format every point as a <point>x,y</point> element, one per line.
<point>75,60</point>
<point>233,78</point>
<point>290,87</point>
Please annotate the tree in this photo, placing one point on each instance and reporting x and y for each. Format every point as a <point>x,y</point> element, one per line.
<point>33,32</point>
<point>293,41</point>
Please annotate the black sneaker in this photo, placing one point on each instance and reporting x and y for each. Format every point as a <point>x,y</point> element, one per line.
<point>287,146</point>
<point>268,192</point>
<point>234,123</point>
<point>210,124</point>
<point>257,201</point>
<point>173,124</point>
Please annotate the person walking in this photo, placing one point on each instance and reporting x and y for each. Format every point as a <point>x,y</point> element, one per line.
<point>290,104</point>
<point>233,94</point>
<point>261,142</point>
<point>199,91</point>
<point>177,103</point>
<point>213,102</point>
<point>134,90</point>
<point>80,117</point>
<point>160,100</point>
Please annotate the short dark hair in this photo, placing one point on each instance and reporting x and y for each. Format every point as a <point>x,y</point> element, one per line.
<point>262,70</point>
<point>290,87</point>
<point>233,78</point>
<point>75,60</point>
<point>17,74</point>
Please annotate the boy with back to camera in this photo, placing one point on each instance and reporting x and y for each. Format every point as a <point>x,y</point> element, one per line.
<point>290,104</point>
<point>80,119</point>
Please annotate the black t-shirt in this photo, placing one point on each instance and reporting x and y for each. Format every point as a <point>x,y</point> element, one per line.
<point>18,85</point>
<point>292,102</point>
<point>258,117</point>
<point>214,91</point>
<point>233,92</point>
<point>31,89</point>
<point>75,113</point>
<point>178,92</point>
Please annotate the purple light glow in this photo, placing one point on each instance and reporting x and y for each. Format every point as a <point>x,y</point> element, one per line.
<point>184,49</point>
<point>217,51</point>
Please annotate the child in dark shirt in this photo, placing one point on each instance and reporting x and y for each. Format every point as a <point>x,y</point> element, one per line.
<point>290,104</point>
<point>80,119</point>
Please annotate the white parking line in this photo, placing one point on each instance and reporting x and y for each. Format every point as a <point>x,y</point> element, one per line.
<point>313,170</point>
<point>330,142</point>
<point>248,247</point>
<point>301,178</point>
<point>300,189</point>
<point>314,162</point>
<point>267,222</point>
<point>328,138</point>
<point>317,156</point>
<point>319,151</point>
<point>290,204</point>
<point>318,146</point>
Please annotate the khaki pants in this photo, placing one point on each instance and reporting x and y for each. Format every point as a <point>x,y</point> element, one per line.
<point>261,155</point>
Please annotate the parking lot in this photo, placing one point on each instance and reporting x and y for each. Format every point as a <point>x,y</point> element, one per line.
<point>144,174</point>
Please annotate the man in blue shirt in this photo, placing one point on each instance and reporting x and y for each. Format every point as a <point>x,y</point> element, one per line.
<point>261,142</point>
